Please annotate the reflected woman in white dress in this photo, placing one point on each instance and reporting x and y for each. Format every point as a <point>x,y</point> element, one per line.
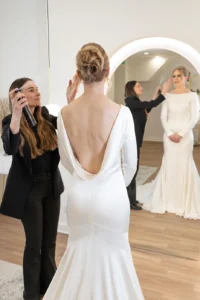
<point>176,188</point>
<point>98,147</point>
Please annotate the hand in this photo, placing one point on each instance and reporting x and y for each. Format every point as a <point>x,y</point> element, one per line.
<point>167,85</point>
<point>157,92</point>
<point>73,88</point>
<point>18,102</point>
<point>175,137</point>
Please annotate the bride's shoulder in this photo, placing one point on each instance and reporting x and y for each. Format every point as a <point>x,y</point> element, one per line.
<point>174,92</point>
<point>64,110</point>
<point>127,115</point>
<point>195,96</point>
<point>126,110</point>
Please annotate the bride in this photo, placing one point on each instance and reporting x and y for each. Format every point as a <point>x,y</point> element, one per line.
<point>176,188</point>
<point>98,147</point>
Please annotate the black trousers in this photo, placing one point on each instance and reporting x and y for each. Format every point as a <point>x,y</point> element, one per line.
<point>131,189</point>
<point>40,223</point>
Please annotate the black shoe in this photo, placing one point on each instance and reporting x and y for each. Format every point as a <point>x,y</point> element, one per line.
<point>136,207</point>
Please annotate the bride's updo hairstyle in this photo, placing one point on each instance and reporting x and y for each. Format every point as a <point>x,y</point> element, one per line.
<point>183,71</point>
<point>92,63</point>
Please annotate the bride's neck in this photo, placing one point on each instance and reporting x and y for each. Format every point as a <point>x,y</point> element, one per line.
<point>94,89</point>
<point>180,88</point>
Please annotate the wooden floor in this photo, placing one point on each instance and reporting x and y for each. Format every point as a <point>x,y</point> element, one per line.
<point>165,248</point>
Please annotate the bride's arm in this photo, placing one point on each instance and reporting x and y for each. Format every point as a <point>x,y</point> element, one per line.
<point>129,151</point>
<point>194,116</point>
<point>164,119</point>
<point>62,148</point>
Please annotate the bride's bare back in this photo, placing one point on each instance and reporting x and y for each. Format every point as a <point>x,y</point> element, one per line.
<point>88,123</point>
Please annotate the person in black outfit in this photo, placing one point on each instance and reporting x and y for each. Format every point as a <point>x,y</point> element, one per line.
<point>34,183</point>
<point>140,110</point>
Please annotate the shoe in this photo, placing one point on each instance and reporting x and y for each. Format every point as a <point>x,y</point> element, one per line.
<point>136,207</point>
<point>137,202</point>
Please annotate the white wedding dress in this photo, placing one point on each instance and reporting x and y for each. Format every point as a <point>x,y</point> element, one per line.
<point>176,188</point>
<point>97,264</point>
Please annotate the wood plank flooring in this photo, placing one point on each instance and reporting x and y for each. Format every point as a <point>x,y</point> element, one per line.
<point>165,248</point>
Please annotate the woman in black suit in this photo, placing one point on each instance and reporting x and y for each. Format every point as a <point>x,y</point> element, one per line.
<point>34,183</point>
<point>140,110</point>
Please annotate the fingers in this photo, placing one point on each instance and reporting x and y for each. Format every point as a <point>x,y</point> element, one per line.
<point>74,83</point>
<point>170,81</point>
<point>19,103</point>
<point>158,89</point>
<point>12,93</point>
<point>22,103</point>
<point>175,140</point>
<point>17,97</point>
<point>76,80</point>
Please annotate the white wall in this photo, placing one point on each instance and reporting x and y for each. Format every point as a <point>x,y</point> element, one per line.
<point>23,50</point>
<point>112,24</point>
<point>195,83</point>
<point>111,91</point>
<point>120,80</point>
<point>143,69</point>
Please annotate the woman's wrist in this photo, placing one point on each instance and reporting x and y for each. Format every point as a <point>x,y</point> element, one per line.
<point>15,124</point>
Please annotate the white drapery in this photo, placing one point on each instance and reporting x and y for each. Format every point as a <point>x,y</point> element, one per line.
<point>4,111</point>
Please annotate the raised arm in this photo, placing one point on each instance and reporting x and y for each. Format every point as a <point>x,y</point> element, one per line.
<point>134,104</point>
<point>129,151</point>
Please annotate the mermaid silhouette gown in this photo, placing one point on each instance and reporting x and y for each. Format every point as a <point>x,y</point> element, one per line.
<point>97,264</point>
<point>176,188</point>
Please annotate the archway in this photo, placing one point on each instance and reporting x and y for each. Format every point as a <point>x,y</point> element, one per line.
<point>174,45</point>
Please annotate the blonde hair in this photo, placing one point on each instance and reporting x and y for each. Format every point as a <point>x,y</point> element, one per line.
<point>92,63</point>
<point>184,71</point>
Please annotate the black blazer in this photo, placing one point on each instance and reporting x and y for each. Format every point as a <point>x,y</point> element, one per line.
<point>137,109</point>
<point>19,179</point>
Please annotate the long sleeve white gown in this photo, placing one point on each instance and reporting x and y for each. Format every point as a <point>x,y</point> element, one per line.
<point>176,188</point>
<point>97,264</point>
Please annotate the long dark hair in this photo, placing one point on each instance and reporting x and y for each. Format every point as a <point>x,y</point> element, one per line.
<point>17,84</point>
<point>46,133</point>
<point>129,89</point>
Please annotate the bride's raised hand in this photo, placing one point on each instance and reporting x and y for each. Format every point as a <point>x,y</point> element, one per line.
<point>73,88</point>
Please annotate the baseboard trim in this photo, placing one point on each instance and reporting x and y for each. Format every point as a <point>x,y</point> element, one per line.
<point>63,228</point>
<point>148,141</point>
<point>153,139</point>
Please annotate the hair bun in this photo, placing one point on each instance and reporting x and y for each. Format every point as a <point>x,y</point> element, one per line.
<point>92,63</point>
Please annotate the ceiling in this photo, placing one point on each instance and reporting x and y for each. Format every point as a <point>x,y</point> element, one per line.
<point>140,59</point>
<point>156,52</point>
